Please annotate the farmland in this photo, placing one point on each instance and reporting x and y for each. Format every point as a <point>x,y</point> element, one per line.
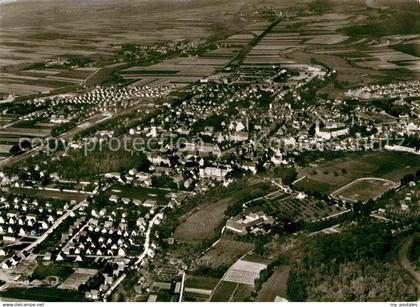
<point>224,291</point>
<point>77,278</point>
<point>200,282</point>
<point>42,295</point>
<point>38,65</point>
<point>275,286</point>
<point>225,253</point>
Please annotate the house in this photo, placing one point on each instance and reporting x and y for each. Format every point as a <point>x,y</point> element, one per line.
<point>121,252</point>
<point>238,137</point>
<point>6,265</point>
<point>233,225</point>
<point>202,148</point>
<point>250,166</point>
<point>277,157</point>
<point>93,295</point>
<point>149,203</point>
<point>158,159</point>
<point>331,131</point>
<point>241,225</point>
<point>113,198</point>
<point>9,239</point>
<point>216,172</point>
<point>136,202</point>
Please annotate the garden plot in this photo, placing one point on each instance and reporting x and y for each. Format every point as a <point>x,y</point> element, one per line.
<point>244,272</point>
<point>79,277</point>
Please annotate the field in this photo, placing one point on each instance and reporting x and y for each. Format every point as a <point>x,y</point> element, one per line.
<point>45,271</point>
<point>242,293</point>
<point>328,39</point>
<point>79,277</point>
<point>139,193</point>
<point>224,291</point>
<point>178,71</point>
<point>42,295</point>
<point>90,37</point>
<point>47,194</point>
<point>364,189</point>
<point>225,253</point>
<point>244,272</point>
<point>199,288</point>
<point>276,285</point>
<point>201,282</point>
<point>327,177</point>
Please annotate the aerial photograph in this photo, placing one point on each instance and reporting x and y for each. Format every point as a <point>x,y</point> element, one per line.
<point>209,151</point>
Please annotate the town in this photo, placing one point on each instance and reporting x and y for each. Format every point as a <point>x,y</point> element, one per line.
<point>270,154</point>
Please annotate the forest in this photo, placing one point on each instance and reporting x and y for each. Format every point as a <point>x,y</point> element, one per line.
<point>354,265</point>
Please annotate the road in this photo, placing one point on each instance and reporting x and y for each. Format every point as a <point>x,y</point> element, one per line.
<point>181,294</point>
<point>52,228</point>
<point>4,276</point>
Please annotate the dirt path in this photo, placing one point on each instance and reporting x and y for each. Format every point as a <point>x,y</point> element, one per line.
<point>405,263</point>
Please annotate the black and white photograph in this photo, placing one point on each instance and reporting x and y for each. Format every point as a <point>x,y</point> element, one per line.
<point>200,151</point>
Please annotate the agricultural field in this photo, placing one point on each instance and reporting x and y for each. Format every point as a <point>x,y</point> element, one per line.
<point>201,282</point>
<point>199,288</point>
<point>327,177</point>
<point>224,291</point>
<point>77,278</point>
<point>43,81</point>
<point>179,71</point>
<point>32,59</point>
<point>242,293</point>
<point>43,294</point>
<point>225,253</point>
<point>275,286</point>
<point>244,272</point>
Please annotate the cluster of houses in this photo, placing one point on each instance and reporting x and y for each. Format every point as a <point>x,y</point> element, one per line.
<point>27,217</point>
<point>111,272</point>
<point>108,233</point>
<point>400,89</point>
